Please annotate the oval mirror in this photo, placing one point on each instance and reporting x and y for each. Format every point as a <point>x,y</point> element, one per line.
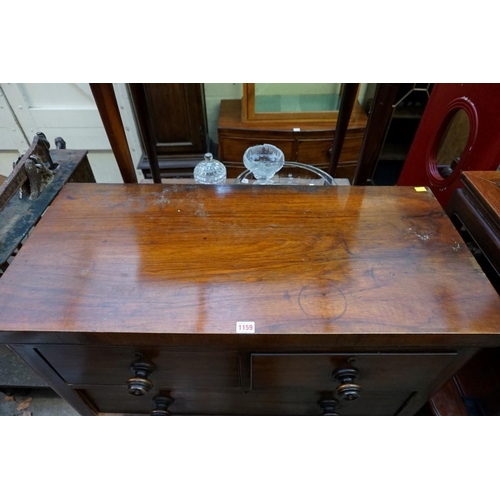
<point>453,143</point>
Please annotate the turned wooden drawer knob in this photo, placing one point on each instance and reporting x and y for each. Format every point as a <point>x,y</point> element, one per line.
<point>347,390</point>
<point>139,384</point>
<point>329,407</point>
<point>162,404</point>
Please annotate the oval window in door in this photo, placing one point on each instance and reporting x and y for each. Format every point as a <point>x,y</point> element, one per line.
<point>453,143</point>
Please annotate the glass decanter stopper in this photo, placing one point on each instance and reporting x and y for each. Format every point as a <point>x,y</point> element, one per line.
<point>210,171</point>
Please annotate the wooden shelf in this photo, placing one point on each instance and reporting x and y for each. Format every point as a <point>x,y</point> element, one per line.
<point>409,113</point>
<point>394,152</point>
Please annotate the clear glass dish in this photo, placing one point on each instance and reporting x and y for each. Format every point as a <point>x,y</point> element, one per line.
<point>292,173</point>
<point>210,171</point>
<point>263,160</point>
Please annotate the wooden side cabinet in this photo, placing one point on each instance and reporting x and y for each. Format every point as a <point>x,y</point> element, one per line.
<point>303,141</point>
<point>177,126</point>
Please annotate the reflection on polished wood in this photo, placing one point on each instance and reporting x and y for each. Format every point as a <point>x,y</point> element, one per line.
<point>376,278</point>
<point>290,259</point>
<point>485,186</point>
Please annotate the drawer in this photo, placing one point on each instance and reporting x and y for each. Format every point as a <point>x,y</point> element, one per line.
<point>293,384</point>
<point>115,399</point>
<point>111,366</point>
<point>378,372</point>
<point>346,171</point>
<point>317,151</point>
<point>314,152</point>
<point>231,149</point>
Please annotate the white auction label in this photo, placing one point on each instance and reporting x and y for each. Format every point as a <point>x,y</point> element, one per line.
<point>245,327</point>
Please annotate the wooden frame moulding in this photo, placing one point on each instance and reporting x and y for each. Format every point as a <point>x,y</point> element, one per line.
<point>105,99</point>
<point>248,110</point>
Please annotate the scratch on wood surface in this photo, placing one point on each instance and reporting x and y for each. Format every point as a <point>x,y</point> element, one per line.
<point>424,235</point>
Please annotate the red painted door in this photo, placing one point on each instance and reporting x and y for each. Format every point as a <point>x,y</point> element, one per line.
<point>481,103</point>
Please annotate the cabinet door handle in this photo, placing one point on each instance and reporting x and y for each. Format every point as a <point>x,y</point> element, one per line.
<point>139,384</point>
<point>347,390</point>
<point>329,407</point>
<point>162,403</point>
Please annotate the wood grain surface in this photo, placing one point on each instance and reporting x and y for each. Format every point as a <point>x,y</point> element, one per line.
<point>295,260</point>
<point>485,186</point>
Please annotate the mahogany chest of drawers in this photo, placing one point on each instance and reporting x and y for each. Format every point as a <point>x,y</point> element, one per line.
<point>246,300</point>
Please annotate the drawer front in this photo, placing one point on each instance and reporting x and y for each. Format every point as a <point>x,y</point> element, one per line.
<point>234,169</point>
<point>111,366</point>
<point>388,373</point>
<point>314,152</point>
<point>317,151</point>
<point>208,383</point>
<point>294,384</point>
<point>115,399</point>
<point>346,171</point>
<point>361,384</point>
<point>351,148</point>
<point>231,149</point>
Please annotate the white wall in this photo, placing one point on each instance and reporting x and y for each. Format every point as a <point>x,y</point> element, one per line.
<point>214,93</point>
<point>67,110</point>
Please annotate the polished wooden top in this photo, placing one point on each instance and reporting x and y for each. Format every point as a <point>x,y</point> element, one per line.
<point>485,186</point>
<point>197,259</point>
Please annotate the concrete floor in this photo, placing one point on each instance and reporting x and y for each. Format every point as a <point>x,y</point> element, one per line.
<point>39,402</point>
<point>24,393</point>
